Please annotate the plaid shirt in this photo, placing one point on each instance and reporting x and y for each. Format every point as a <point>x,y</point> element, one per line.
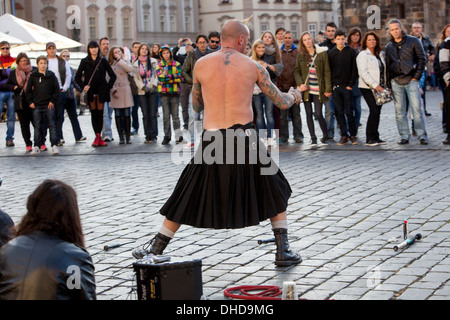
<point>169,83</point>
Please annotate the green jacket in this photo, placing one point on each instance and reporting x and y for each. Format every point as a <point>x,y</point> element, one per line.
<point>301,73</point>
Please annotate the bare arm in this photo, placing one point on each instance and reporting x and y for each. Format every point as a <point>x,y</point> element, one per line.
<point>281,100</point>
<point>197,97</point>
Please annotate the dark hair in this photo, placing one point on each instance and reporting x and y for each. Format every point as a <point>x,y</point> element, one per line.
<point>377,38</point>
<point>280,29</point>
<point>201,36</point>
<point>3,43</point>
<point>340,32</point>
<point>351,33</point>
<point>38,59</point>
<point>92,44</point>
<point>331,25</point>
<point>103,39</point>
<point>21,56</point>
<point>214,34</point>
<point>140,47</point>
<point>53,209</point>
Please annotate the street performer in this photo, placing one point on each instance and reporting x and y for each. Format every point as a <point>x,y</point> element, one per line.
<point>223,195</point>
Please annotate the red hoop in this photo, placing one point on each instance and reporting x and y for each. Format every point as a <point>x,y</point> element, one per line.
<point>265,293</point>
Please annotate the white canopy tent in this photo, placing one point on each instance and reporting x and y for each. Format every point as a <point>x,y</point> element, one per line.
<point>11,40</point>
<point>34,37</point>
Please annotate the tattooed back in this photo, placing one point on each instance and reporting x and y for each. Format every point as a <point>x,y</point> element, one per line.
<point>224,81</point>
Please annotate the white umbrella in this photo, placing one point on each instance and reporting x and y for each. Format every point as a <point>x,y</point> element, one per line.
<point>33,36</point>
<point>11,40</point>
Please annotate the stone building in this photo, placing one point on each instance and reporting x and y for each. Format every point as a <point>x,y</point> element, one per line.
<point>294,15</point>
<point>432,14</point>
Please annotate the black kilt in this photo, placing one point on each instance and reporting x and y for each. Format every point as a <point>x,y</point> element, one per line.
<point>224,195</point>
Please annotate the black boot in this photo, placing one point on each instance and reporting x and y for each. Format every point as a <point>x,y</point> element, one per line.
<point>128,129</point>
<point>120,129</point>
<point>284,256</point>
<point>158,245</point>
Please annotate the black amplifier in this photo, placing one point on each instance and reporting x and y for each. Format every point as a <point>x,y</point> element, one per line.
<point>173,280</point>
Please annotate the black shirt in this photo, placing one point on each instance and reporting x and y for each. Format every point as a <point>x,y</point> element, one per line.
<point>343,66</point>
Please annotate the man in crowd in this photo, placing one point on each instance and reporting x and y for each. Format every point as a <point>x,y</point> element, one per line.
<point>107,133</point>
<point>405,64</point>
<point>214,41</point>
<point>330,32</point>
<point>344,73</point>
<point>7,63</point>
<point>417,31</point>
<point>444,59</point>
<point>60,67</point>
<point>286,81</point>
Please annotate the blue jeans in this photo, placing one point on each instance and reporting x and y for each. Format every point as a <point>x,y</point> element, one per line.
<point>264,106</point>
<point>7,97</point>
<point>42,117</point>
<point>107,120</point>
<point>412,91</point>
<point>330,118</point>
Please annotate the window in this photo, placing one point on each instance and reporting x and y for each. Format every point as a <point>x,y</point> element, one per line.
<point>126,28</point>
<point>187,23</point>
<point>146,22</point>
<point>173,23</point>
<point>50,24</point>
<point>162,20</point>
<point>93,28</point>
<point>264,27</point>
<point>110,27</point>
<point>312,30</point>
<point>294,30</point>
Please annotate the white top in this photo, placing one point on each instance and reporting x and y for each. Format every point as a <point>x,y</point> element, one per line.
<point>53,66</point>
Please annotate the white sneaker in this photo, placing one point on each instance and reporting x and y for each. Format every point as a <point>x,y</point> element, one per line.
<point>55,150</point>
<point>36,150</point>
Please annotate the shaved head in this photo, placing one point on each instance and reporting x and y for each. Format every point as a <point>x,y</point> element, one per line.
<point>233,29</point>
<point>235,34</point>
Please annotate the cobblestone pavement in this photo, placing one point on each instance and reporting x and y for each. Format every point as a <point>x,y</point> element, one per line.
<point>345,214</point>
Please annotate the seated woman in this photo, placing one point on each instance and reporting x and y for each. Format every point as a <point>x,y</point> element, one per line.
<point>47,259</point>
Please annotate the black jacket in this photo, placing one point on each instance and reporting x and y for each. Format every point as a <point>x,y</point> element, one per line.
<point>99,84</point>
<point>43,267</point>
<point>18,94</point>
<point>344,71</point>
<point>405,59</point>
<point>42,89</point>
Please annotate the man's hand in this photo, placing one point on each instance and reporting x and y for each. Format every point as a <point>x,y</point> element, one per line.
<point>32,106</point>
<point>297,94</point>
<point>51,106</point>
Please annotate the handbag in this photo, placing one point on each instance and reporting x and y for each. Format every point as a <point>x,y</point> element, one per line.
<point>84,94</point>
<point>382,97</point>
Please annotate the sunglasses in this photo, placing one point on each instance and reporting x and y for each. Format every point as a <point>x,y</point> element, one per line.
<point>5,48</point>
<point>216,42</point>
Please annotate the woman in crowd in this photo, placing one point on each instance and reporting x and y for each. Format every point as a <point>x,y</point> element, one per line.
<point>354,41</point>
<point>263,106</point>
<point>47,259</point>
<point>144,72</point>
<point>313,76</point>
<point>372,76</point>
<point>156,48</point>
<point>91,76</point>
<point>273,49</point>
<point>169,79</point>
<point>121,95</point>
<point>17,83</point>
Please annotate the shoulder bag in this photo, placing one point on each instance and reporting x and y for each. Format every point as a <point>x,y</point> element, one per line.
<point>84,95</point>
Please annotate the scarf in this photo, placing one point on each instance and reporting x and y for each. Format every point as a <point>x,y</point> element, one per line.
<point>145,64</point>
<point>199,54</point>
<point>270,50</point>
<point>22,75</point>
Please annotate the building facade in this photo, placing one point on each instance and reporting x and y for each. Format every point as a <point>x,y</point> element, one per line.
<point>84,20</point>
<point>432,14</point>
<point>268,15</point>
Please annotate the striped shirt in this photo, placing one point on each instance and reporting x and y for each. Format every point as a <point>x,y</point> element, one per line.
<point>313,81</point>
